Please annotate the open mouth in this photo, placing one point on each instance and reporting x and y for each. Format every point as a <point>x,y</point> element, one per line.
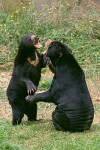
<point>47,42</point>
<point>35,40</point>
<point>38,45</point>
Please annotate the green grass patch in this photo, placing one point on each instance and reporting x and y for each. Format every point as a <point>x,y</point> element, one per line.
<point>97,108</point>
<point>45,84</point>
<point>2,94</point>
<point>42,136</point>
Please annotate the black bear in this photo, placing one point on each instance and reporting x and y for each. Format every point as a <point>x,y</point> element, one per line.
<point>74,111</point>
<point>25,78</point>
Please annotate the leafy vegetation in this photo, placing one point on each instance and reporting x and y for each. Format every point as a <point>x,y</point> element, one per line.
<point>79,29</point>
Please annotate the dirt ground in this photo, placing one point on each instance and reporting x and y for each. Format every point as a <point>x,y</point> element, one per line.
<point>45,110</point>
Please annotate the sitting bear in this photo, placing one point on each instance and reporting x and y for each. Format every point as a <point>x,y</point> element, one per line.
<point>25,78</point>
<point>74,111</point>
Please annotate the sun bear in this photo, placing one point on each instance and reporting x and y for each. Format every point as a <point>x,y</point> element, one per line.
<point>25,78</point>
<point>74,111</point>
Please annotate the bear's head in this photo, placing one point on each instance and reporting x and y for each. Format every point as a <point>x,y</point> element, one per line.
<point>28,45</point>
<point>55,50</point>
<point>28,48</point>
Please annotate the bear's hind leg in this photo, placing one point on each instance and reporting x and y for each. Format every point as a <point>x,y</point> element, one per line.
<point>17,113</point>
<point>31,111</point>
<point>60,121</point>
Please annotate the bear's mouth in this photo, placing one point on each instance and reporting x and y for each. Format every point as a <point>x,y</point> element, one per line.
<point>36,42</point>
<point>38,45</point>
<point>47,43</point>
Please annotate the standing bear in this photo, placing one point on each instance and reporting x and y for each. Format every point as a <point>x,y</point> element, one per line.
<point>25,78</point>
<point>74,109</point>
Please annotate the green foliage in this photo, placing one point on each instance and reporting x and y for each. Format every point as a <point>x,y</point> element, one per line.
<point>5,144</point>
<point>79,31</point>
<point>45,84</point>
<point>8,146</point>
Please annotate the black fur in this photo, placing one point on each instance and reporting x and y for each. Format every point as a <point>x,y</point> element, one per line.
<point>74,111</point>
<point>25,78</point>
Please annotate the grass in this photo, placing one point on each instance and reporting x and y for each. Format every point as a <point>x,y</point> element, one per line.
<point>45,84</point>
<point>41,135</point>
